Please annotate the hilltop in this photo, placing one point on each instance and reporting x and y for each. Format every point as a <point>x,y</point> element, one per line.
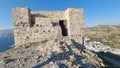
<point>50,54</point>
<point>106,34</point>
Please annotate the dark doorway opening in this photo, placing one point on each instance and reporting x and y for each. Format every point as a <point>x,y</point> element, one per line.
<point>63,26</point>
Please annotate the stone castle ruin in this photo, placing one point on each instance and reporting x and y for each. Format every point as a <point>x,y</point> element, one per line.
<point>35,26</point>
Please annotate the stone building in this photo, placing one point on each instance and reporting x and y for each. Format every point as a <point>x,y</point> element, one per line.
<point>36,26</point>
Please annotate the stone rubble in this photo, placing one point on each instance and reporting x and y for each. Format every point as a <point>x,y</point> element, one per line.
<point>52,54</point>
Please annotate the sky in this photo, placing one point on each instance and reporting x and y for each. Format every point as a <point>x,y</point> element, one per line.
<point>96,12</point>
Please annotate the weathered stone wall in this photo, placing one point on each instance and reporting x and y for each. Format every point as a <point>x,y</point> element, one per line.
<point>53,15</point>
<point>44,30</point>
<point>44,25</point>
<point>22,20</point>
<point>75,21</point>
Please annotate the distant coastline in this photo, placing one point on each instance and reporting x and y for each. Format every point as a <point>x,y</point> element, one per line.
<point>6,39</point>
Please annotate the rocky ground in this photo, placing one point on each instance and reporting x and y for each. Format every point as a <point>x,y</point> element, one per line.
<point>51,54</point>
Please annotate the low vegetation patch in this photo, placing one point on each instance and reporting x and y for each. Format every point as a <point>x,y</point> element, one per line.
<point>110,37</point>
<point>31,44</point>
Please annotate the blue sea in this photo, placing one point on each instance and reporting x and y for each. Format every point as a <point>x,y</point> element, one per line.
<point>6,43</point>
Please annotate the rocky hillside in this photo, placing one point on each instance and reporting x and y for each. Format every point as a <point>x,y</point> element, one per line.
<point>50,54</point>
<point>107,34</point>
